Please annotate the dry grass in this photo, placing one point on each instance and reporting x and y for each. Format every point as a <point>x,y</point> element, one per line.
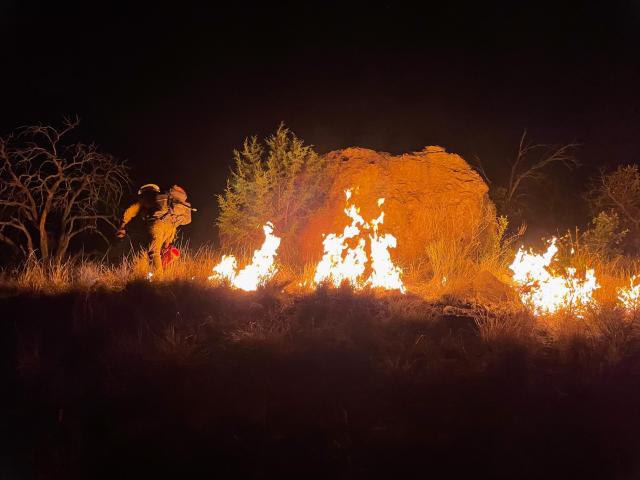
<point>445,277</point>
<point>82,274</point>
<point>506,325</point>
<point>450,264</point>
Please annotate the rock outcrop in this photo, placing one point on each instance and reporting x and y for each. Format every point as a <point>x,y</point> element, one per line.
<point>429,195</point>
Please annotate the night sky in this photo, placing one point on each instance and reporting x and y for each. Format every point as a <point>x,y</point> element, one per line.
<point>173,89</point>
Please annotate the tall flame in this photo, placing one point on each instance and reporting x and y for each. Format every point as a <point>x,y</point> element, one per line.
<point>546,292</point>
<point>334,267</point>
<point>384,274</point>
<point>341,263</point>
<point>261,269</point>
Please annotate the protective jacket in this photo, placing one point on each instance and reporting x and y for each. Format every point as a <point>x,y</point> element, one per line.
<point>161,232</point>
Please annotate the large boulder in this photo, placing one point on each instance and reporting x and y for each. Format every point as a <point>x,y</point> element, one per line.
<point>429,195</point>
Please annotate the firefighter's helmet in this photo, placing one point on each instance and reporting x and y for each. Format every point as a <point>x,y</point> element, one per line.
<point>149,187</point>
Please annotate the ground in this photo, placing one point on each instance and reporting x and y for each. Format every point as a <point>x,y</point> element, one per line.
<point>178,380</point>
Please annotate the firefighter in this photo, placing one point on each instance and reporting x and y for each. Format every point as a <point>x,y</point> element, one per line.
<point>161,232</point>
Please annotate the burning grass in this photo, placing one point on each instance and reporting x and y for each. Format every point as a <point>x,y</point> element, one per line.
<point>537,299</point>
<point>609,321</point>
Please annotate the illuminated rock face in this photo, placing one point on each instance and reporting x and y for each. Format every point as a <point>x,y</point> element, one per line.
<point>429,195</point>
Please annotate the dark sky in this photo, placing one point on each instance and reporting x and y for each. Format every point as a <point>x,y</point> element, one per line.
<point>175,88</point>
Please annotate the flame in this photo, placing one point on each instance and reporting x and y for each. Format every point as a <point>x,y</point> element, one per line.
<point>261,269</point>
<point>629,296</point>
<point>546,292</point>
<point>226,269</point>
<point>384,274</point>
<point>341,263</point>
<point>336,268</point>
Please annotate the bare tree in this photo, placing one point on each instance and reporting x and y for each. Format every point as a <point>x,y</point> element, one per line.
<point>530,166</point>
<point>52,191</point>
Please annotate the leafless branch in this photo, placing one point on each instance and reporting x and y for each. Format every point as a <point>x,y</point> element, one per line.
<point>52,188</point>
<point>523,169</point>
<point>481,170</point>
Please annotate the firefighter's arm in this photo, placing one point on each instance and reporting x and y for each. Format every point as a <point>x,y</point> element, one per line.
<point>128,215</point>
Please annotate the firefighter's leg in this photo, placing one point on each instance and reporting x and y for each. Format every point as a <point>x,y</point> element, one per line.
<point>169,233</point>
<point>155,247</point>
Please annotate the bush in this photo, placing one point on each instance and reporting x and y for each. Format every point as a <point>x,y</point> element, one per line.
<point>279,181</point>
<point>605,236</point>
<point>617,193</point>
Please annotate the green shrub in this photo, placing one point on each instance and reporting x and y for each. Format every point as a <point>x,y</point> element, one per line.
<point>617,193</point>
<point>280,180</point>
<point>605,235</point>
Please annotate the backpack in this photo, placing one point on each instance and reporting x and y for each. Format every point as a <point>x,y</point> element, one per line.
<point>173,207</point>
